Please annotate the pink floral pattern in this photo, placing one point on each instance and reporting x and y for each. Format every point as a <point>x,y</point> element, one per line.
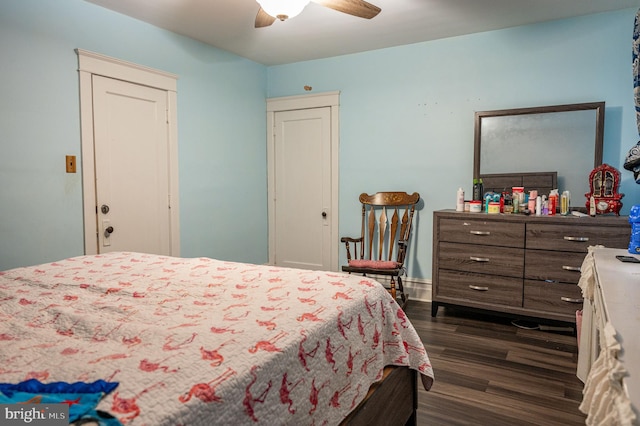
<point>202,341</point>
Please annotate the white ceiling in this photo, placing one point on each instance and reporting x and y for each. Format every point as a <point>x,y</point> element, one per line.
<point>319,32</point>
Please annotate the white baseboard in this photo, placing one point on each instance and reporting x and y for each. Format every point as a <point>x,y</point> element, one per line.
<point>417,288</point>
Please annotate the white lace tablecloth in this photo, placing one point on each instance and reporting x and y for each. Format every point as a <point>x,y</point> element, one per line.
<point>609,352</point>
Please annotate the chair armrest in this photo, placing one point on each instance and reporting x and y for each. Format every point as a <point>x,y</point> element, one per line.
<point>350,240</point>
<point>347,242</point>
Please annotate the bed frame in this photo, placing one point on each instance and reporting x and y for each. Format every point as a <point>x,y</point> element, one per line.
<point>392,401</point>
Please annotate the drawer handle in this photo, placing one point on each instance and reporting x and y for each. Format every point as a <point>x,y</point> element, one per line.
<point>571,300</point>
<point>479,259</point>
<point>571,268</point>
<point>480,232</point>
<point>478,288</point>
<point>578,239</point>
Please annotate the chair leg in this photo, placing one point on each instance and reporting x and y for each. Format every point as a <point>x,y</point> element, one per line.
<point>392,288</point>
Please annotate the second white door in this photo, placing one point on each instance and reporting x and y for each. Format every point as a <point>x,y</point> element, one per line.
<point>303,188</point>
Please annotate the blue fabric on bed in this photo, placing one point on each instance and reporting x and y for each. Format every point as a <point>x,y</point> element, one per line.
<point>81,397</point>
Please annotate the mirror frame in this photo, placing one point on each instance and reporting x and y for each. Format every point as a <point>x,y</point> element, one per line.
<point>598,142</point>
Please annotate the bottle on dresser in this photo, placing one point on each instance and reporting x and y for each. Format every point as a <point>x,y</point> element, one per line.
<point>477,189</point>
<point>460,200</point>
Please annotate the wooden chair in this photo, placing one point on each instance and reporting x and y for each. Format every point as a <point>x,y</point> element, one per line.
<point>382,246</point>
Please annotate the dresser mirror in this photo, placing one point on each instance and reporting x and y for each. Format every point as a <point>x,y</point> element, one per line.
<point>562,139</point>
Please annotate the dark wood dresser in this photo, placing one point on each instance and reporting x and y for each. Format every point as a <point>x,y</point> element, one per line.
<point>517,264</point>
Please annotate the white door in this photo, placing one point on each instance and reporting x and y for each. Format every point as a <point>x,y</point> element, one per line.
<point>303,190</point>
<point>131,146</point>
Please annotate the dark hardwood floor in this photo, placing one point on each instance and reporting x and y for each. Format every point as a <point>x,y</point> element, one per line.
<point>490,372</point>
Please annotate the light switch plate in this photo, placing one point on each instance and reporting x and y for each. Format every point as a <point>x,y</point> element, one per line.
<point>71,163</point>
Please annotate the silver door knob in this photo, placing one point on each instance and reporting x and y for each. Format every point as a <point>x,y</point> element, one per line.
<point>108,231</point>
<point>104,209</point>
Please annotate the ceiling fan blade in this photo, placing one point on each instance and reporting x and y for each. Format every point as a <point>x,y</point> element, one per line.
<point>358,8</point>
<point>263,19</point>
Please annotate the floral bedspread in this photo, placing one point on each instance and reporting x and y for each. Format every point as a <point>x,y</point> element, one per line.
<point>202,341</point>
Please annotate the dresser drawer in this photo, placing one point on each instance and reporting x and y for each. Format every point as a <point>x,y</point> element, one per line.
<point>551,265</point>
<point>504,261</point>
<point>481,288</point>
<point>564,299</point>
<point>575,238</point>
<point>489,233</point>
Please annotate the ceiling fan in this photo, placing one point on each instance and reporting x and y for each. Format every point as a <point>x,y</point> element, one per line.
<point>270,10</point>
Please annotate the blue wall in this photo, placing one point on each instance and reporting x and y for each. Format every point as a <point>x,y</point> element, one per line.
<point>415,104</point>
<point>221,128</point>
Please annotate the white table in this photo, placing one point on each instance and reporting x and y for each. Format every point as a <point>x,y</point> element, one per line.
<point>615,307</point>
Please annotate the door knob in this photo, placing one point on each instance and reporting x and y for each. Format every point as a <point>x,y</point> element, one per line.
<point>324,214</point>
<point>108,231</point>
<point>104,209</point>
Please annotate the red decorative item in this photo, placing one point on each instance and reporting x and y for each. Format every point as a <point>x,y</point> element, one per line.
<point>603,183</point>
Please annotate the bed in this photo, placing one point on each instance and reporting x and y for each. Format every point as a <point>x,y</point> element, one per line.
<point>202,341</point>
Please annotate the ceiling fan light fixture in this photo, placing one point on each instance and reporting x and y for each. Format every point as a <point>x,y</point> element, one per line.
<point>283,9</point>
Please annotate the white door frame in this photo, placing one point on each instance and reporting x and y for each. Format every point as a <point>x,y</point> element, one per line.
<point>320,100</point>
<point>90,63</point>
